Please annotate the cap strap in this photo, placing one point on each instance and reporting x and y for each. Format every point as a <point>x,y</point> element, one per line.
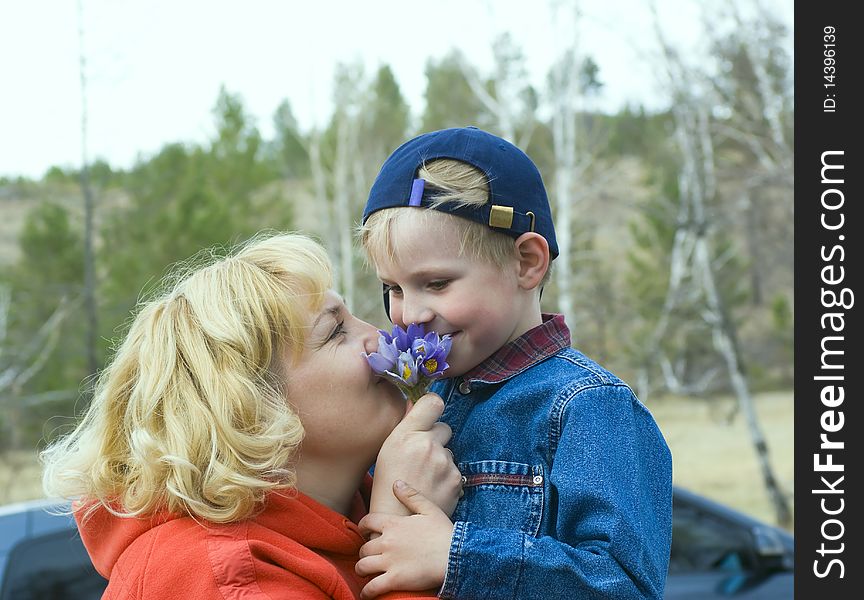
<point>416,192</point>
<point>498,216</point>
<point>504,217</point>
<point>522,223</point>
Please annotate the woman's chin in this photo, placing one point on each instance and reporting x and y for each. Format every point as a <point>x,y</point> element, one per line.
<point>391,394</point>
<point>386,387</point>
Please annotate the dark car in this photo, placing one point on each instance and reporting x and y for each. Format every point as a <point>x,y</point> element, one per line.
<point>717,552</point>
<point>42,557</point>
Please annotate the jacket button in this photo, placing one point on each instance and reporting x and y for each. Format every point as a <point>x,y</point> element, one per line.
<point>538,479</point>
<point>464,388</point>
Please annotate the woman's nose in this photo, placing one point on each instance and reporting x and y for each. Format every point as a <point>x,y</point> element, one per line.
<point>370,337</point>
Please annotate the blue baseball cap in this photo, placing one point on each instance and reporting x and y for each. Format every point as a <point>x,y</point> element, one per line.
<point>517,197</point>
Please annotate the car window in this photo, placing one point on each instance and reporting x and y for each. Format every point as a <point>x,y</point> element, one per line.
<point>702,542</point>
<point>51,566</point>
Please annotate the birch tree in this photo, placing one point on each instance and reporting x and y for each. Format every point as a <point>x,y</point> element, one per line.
<point>572,78</point>
<point>512,105</point>
<point>563,95</point>
<point>755,90</point>
<point>505,95</point>
<point>370,119</point>
<point>694,261</point>
<point>18,366</point>
<point>346,129</point>
<point>89,203</point>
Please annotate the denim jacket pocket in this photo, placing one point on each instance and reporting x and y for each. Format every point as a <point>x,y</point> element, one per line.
<point>500,494</point>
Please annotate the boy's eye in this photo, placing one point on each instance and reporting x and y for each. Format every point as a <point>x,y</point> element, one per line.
<point>394,289</point>
<point>439,284</point>
<point>337,331</point>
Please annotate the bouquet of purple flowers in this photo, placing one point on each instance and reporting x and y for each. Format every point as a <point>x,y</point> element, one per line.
<point>410,359</point>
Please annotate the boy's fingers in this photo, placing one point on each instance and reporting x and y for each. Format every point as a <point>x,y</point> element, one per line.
<point>380,585</point>
<point>373,523</point>
<point>369,565</point>
<point>413,500</point>
<point>370,548</point>
<point>424,414</point>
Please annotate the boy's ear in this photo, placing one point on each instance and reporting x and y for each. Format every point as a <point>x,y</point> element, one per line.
<point>533,251</point>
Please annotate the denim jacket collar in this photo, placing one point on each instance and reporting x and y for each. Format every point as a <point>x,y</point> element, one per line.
<point>532,347</point>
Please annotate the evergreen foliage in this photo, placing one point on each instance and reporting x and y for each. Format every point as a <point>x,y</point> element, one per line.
<point>187,197</point>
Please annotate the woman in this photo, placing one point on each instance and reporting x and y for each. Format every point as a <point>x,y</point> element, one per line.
<point>226,450</point>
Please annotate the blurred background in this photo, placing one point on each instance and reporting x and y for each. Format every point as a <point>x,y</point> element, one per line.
<point>134,134</point>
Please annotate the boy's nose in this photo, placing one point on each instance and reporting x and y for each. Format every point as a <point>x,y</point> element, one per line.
<point>415,312</point>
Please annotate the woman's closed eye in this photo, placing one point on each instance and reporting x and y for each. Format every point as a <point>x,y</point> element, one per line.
<point>337,332</point>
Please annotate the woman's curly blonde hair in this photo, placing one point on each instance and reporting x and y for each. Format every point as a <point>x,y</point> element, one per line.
<point>190,414</point>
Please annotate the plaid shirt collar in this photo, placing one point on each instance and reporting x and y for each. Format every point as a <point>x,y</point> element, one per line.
<point>530,348</point>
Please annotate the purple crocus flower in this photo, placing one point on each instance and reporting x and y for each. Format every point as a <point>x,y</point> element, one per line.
<point>406,369</point>
<point>411,359</point>
<point>385,358</point>
<point>399,338</point>
<point>432,352</point>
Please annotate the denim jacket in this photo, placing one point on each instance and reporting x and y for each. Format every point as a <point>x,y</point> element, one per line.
<point>567,481</point>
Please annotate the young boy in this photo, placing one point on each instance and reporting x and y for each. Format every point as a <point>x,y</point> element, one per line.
<point>567,480</point>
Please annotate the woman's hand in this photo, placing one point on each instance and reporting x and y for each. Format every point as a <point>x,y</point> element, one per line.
<point>415,452</point>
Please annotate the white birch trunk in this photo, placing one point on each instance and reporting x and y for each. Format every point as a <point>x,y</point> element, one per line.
<point>697,183</point>
<point>724,342</point>
<point>90,308</point>
<point>565,92</point>
<point>343,188</point>
<point>322,198</point>
<point>563,135</point>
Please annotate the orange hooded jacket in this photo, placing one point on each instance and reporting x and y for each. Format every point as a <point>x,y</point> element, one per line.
<point>294,549</point>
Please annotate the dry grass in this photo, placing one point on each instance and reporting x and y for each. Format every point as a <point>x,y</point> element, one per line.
<point>20,477</point>
<point>716,458</point>
<point>710,456</point>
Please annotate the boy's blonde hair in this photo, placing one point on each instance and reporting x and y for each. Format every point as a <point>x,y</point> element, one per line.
<point>458,183</point>
<point>190,414</point>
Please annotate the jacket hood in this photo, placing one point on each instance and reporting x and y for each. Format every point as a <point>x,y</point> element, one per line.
<point>290,514</point>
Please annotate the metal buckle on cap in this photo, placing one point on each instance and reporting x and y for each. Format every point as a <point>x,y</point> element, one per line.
<point>501,216</point>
